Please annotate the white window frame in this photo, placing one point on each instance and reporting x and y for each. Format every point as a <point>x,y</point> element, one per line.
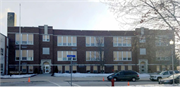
<point>26,41</point>
<point>122,37</point>
<point>43,50</point>
<point>142,51</point>
<point>22,69</point>
<point>72,44</point>
<point>95,42</point>
<point>26,57</point>
<point>118,58</point>
<point>94,52</point>
<point>29,69</point>
<point>45,39</point>
<point>66,55</point>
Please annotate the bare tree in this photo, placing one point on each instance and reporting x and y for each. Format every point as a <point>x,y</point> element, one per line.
<point>100,45</point>
<point>157,14</point>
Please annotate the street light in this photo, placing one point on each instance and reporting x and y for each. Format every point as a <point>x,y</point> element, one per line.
<point>171,43</point>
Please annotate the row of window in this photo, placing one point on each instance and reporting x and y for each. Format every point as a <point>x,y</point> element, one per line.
<point>24,69</point>
<point>122,56</point>
<point>119,41</point>
<point>27,55</point>
<point>94,68</point>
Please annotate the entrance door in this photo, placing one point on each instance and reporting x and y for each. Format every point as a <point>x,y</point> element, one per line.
<point>46,68</point>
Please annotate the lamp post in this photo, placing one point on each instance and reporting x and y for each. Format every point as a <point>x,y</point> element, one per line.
<point>171,43</point>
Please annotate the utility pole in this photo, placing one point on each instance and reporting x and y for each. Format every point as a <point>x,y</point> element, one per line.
<point>20,38</point>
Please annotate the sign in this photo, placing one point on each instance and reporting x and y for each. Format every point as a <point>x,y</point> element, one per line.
<point>70,55</point>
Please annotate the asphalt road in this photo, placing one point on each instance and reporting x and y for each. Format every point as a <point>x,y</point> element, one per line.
<point>48,80</point>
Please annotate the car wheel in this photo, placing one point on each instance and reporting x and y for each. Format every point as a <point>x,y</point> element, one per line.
<point>159,78</point>
<point>133,79</point>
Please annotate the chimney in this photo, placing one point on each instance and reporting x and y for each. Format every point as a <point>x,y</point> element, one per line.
<point>11,19</point>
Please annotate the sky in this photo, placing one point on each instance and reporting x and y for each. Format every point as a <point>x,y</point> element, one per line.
<point>61,14</point>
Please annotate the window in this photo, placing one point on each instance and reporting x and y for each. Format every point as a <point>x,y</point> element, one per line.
<point>27,55</point>
<point>95,41</point>
<point>122,56</point>
<point>142,51</point>
<point>67,41</point>
<point>129,67</point>
<point>67,69</point>
<point>1,51</point>
<point>24,70</point>
<point>122,41</point>
<point>142,39</point>
<point>122,67</point>
<point>60,69</point>
<point>88,68</point>
<point>115,68</point>
<point>46,38</point>
<point>45,50</point>
<point>62,55</point>
<point>94,55</point>
<point>158,68</point>
<point>30,69</point>
<point>27,39</point>
<point>163,55</point>
<point>162,40</point>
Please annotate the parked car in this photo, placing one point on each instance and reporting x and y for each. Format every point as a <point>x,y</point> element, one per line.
<point>169,80</point>
<point>124,75</point>
<point>163,74</point>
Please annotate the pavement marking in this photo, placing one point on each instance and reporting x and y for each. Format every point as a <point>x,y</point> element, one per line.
<point>76,85</point>
<point>54,83</point>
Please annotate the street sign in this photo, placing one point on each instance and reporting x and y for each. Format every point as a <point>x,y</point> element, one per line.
<point>70,55</point>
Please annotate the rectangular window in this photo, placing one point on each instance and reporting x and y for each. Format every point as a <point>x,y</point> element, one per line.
<point>30,69</point>
<point>24,70</point>
<point>94,41</point>
<point>122,56</point>
<point>163,55</point>
<point>74,68</point>
<point>142,39</point>
<point>88,68</point>
<point>121,41</point>
<point>27,55</point>
<point>24,54</point>
<point>60,69</point>
<point>122,67</point>
<point>45,50</point>
<point>62,55</point>
<point>129,67</point>
<point>115,68</point>
<point>162,40</point>
<point>94,67</point>
<point>46,38</point>
<point>94,56</point>
<point>27,39</point>
<point>142,51</point>
<point>66,69</point>
<point>67,41</point>
<point>158,68</point>
<point>1,51</point>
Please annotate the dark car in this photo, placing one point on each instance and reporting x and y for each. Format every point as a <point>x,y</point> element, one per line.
<point>124,75</point>
<point>169,80</point>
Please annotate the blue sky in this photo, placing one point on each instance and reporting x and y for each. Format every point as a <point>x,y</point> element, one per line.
<point>61,14</point>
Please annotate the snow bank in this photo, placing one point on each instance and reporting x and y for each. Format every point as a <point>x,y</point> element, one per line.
<point>17,76</point>
<point>80,74</point>
<point>92,75</point>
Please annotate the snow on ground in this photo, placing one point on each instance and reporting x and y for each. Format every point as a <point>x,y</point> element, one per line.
<point>93,75</point>
<point>80,74</point>
<point>17,76</point>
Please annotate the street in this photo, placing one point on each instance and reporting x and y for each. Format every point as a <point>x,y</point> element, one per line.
<point>48,80</point>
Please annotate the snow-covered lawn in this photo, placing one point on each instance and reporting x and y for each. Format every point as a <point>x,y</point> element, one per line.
<point>80,74</point>
<point>17,76</point>
<point>93,75</point>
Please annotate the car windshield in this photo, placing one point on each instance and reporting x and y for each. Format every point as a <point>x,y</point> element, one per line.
<point>162,73</point>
